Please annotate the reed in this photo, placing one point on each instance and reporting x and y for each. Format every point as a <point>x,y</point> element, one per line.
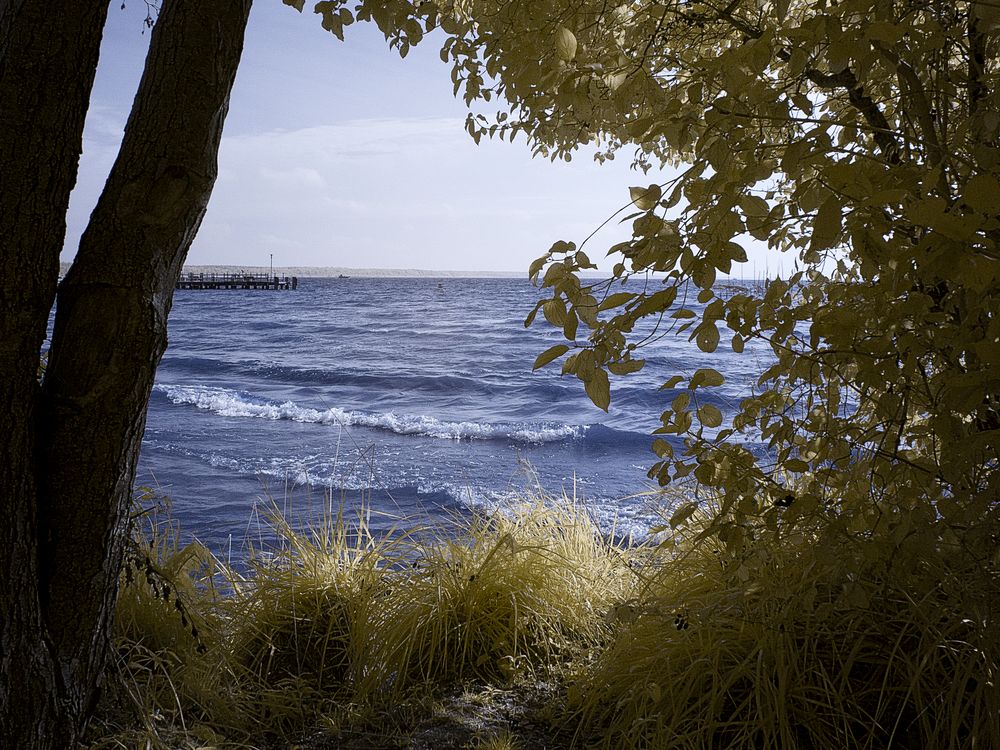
<point>169,676</point>
<point>299,625</point>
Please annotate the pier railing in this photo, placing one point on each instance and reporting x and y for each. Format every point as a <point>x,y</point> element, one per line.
<point>237,280</point>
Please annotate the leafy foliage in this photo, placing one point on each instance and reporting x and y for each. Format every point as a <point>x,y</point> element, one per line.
<point>861,138</point>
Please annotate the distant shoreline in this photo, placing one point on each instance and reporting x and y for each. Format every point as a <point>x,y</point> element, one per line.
<point>332,272</point>
<point>335,271</point>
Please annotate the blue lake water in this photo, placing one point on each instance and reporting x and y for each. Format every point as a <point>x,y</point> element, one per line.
<point>413,396</point>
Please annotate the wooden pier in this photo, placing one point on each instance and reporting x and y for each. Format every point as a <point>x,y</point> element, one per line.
<point>236,281</point>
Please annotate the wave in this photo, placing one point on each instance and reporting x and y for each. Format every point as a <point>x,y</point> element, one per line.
<point>391,381</point>
<point>311,482</point>
<point>514,387</point>
<point>230,403</point>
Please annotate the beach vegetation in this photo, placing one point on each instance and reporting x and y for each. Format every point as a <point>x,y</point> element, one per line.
<point>334,625</point>
<point>532,626</point>
<point>804,637</point>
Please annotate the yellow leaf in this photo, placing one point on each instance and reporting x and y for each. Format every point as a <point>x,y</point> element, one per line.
<point>536,266</point>
<point>982,193</point>
<point>703,275</point>
<point>615,80</point>
<point>827,224</point>
<point>645,197</point>
<point>565,44</point>
<point>531,316</point>
<point>706,376</point>
<point>555,312</point>
<point>615,300</point>
<point>682,514</point>
<point>549,354</point>
<point>672,383</point>
<point>570,364</point>
<point>570,325</point>
<point>707,337</point>
<point>885,32</point>
<point>662,448</point>
<point>599,389</point>
<point>753,205</point>
<point>626,367</point>
<point>710,416</point>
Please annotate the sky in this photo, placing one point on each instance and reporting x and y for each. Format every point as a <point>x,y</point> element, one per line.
<point>342,154</point>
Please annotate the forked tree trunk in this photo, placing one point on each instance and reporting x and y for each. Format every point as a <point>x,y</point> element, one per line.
<point>48,57</point>
<point>74,446</point>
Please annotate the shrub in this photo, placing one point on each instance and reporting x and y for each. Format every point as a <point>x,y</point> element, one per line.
<point>811,639</point>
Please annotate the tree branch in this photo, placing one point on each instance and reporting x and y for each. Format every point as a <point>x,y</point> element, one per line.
<point>919,103</point>
<point>882,131</point>
<point>977,65</point>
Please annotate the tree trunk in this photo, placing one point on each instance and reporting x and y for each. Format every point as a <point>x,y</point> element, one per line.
<point>73,471</point>
<point>48,58</point>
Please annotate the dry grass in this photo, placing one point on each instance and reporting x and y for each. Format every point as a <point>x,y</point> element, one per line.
<point>813,638</point>
<point>496,598</point>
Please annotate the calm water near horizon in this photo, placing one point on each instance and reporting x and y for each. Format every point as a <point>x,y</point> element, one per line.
<point>413,395</point>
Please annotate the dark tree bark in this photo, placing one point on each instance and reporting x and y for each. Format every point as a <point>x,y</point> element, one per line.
<point>48,58</point>
<point>68,457</point>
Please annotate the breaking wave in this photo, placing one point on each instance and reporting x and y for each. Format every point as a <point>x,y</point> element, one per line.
<point>230,403</point>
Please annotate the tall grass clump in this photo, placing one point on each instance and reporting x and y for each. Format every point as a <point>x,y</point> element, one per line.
<point>337,621</point>
<point>168,674</point>
<point>300,623</point>
<point>817,637</point>
<point>500,596</point>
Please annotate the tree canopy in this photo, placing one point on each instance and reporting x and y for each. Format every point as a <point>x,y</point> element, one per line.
<point>859,137</point>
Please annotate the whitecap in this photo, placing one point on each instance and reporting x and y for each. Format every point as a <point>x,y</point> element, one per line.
<point>230,403</point>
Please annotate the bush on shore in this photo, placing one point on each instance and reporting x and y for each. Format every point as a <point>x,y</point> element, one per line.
<point>815,638</point>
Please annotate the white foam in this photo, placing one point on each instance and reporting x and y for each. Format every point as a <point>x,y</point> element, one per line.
<point>620,517</point>
<point>230,403</point>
